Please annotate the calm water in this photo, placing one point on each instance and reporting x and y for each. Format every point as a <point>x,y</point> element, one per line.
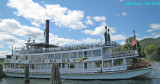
<point>8,80</point>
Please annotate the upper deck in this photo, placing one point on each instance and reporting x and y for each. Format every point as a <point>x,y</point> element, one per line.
<point>65,48</point>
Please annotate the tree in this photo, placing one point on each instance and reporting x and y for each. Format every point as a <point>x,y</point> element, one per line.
<point>128,46</point>
<point>152,53</point>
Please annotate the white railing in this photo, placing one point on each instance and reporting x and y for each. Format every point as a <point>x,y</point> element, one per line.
<point>110,43</point>
<point>7,60</point>
<point>66,48</point>
<point>115,68</point>
<point>120,54</point>
<point>62,48</point>
<point>71,70</point>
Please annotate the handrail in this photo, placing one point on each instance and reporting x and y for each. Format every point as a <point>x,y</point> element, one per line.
<point>66,48</point>
<point>71,70</point>
<point>120,54</point>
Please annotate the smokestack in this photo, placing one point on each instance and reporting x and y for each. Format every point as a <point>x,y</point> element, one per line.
<point>106,35</point>
<point>47,32</point>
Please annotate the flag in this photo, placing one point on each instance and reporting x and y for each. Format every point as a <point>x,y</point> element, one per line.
<point>134,41</point>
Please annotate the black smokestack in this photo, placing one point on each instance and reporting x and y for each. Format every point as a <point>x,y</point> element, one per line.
<point>106,35</point>
<point>47,32</point>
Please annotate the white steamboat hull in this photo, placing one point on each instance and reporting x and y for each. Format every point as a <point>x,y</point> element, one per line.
<point>109,75</point>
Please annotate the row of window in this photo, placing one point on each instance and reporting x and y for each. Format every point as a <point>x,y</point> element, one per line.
<point>107,63</point>
<point>58,55</point>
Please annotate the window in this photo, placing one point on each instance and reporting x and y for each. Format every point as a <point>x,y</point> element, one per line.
<point>44,57</point>
<point>73,55</point>
<point>118,62</point>
<point>96,53</point>
<point>22,57</point>
<point>85,65</point>
<point>14,57</point>
<point>65,56</point>
<point>31,57</point>
<point>98,64</point>
<point>108,63</point>
<point>63,65</point>
<point>80,54</point>
<point>26,57</point>
<point>58,56</point>
<point>17,57</point>
<point>38,57</point>
<point>59,65</point>
<point>87,53</point>
<point>71,65</point>
<point>32,66</point>
<point>50,56</point>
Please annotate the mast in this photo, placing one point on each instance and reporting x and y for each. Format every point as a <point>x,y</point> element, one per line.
<point>135,39</point>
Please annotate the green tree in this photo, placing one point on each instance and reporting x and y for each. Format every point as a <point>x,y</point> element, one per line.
<point>151,52</point>
<point>128,46</point>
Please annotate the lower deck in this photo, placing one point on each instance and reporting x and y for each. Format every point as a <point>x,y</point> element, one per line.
<point>109,75</point>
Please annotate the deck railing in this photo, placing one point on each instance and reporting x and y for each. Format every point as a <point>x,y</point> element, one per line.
<point>120,54</point>
<point>110,43</point>
<point>7,60</point>
<point>66,48</point>
<point>71,70</point>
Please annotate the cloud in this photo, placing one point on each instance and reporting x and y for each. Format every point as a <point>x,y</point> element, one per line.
<point>1,45</point>
<point>121,14</point>
<point>11,40</point>
<point>4,53</point>
<point>99,30</point>
<point>153,27</point>
<point>90,40</point>
<point>98,18</point>
<point>89,21</point>
<point>37,14</point>
<point>14,27</point>
<point>121,0</point>
<point>156,35</point>
<point>64,41</point>
<point>11,27</point>
<point>122,43</point>
<point>118,37</point>
<point>54,39</point>
<point>124,13</point>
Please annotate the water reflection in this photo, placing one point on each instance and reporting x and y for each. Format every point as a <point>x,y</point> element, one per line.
<point>9,80</point>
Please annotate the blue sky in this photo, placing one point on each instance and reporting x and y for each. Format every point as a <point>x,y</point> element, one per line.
<point>75,21</point>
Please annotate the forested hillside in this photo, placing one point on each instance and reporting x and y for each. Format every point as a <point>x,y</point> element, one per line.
<point>149,41</point>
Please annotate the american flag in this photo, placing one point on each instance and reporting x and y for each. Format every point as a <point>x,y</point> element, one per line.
<point>134,41</point>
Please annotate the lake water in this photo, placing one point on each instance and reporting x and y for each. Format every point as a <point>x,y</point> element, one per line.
<point>9,80</point>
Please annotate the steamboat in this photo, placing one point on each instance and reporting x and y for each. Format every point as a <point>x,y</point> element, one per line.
<point>86,61</point>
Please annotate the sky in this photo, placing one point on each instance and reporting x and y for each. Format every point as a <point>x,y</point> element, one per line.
<point>75,22</point>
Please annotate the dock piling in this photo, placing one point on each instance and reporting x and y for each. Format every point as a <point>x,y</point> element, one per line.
<point>26,77</point>
<point>55,74</point>
<point>1,71</point>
